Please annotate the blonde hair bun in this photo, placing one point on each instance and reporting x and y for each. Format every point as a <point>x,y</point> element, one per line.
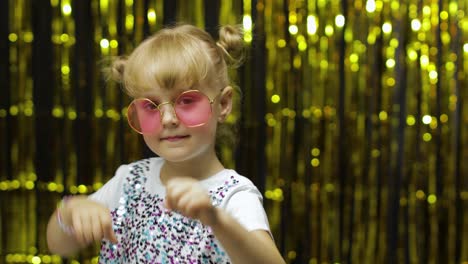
<point>231,44</point>
<point>115,70</point>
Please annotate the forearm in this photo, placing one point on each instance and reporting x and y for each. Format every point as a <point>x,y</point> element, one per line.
<point>58,241</point>
<point>243,246</point>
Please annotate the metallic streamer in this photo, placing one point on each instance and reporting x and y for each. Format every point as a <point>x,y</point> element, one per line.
<point>359,103</point>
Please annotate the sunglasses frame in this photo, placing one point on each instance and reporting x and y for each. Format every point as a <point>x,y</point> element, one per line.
<point>211,101</point>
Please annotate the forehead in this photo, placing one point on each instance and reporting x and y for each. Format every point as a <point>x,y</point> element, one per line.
<point>164,94</point>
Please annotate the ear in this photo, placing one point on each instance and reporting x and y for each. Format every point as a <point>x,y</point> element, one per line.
<point>225,103</point>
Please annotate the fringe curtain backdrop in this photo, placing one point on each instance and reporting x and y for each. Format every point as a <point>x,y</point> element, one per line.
<point>353,119</point>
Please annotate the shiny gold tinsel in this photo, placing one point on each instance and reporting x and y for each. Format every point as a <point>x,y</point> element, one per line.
<point>353,121</point>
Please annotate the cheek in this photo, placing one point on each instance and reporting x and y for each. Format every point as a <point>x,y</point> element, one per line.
<point>151,141</point>
<point>207,131</point>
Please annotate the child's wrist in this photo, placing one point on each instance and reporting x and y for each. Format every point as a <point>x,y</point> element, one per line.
<point>62,212</point>
<point>214,217</point>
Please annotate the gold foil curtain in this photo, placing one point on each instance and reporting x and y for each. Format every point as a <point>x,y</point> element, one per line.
<point>353,120</point>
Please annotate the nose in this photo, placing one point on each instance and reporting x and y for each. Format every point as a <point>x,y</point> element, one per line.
<point>168,115</point>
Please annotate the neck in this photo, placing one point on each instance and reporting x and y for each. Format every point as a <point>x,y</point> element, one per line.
<point>198,168</point>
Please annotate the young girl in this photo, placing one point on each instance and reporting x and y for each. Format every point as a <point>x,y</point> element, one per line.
<point>183,207</point>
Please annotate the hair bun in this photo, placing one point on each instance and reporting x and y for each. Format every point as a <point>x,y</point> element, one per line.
<point>232,44</point>
<point>117,68</point>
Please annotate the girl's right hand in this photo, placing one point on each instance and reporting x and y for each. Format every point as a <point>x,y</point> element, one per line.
<point>91,221</point>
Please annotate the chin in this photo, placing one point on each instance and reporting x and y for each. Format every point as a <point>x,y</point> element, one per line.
<point>182,155</point>
<point>175,158</point>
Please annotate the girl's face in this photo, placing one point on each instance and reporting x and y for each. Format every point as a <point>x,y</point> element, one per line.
<point>176,141</point>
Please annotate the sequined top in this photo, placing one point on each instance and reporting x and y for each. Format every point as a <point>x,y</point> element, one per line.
<point>149,233</point>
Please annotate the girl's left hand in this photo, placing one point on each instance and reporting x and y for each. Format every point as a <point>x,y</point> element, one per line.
<point>186,196</point>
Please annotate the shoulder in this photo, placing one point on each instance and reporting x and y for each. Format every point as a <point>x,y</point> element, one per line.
<point>240,198</point>
<point>227,184</point>
<point>228,179</point>
<point>241,182</point>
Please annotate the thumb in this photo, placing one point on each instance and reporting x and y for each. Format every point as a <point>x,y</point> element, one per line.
<point>110,235</point>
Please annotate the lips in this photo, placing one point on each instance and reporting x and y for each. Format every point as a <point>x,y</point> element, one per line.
<point>174,138</point>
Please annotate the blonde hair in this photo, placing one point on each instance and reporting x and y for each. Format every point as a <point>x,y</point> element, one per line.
<point>181,54</point>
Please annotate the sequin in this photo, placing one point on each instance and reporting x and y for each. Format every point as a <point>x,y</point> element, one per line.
<point>149,233</point>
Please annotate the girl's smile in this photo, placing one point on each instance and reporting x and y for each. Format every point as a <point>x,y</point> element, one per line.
<point>174,138</point>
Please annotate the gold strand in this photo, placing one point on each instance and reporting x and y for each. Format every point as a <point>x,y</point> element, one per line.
<point>302,91</point>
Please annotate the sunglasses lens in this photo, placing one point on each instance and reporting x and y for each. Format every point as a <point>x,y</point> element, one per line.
<point>143,116</point>
<point>193,108</point>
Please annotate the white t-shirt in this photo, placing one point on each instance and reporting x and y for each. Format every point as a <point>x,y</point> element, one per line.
<point>149,233</point>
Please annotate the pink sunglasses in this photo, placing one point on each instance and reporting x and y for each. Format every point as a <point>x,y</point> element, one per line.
<point>192,107</point>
